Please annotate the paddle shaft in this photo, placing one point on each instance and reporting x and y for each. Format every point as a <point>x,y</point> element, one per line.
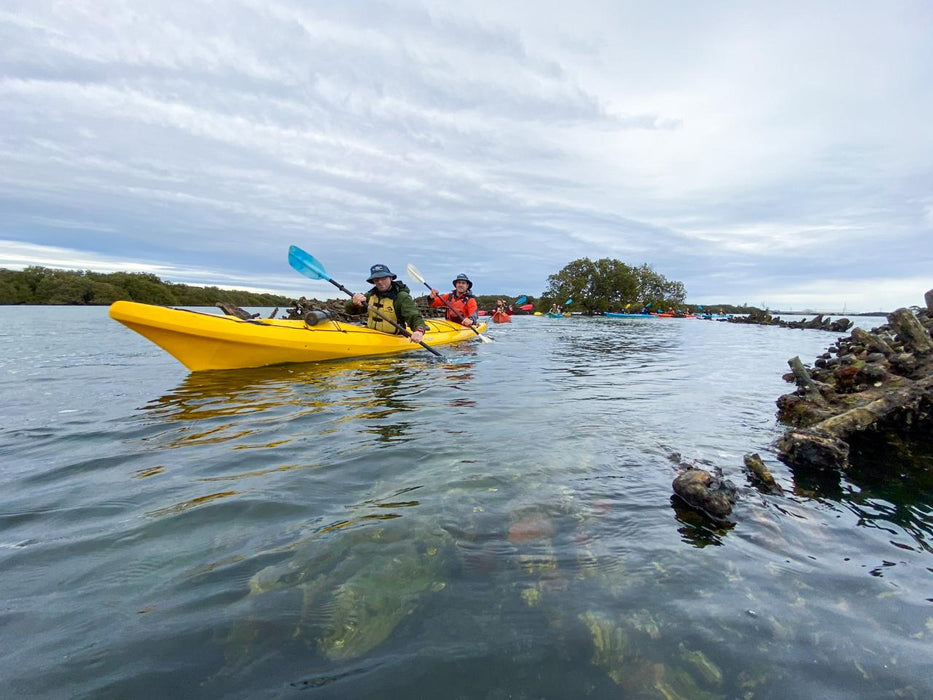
<point>447,304</point>
<point>385,318</point>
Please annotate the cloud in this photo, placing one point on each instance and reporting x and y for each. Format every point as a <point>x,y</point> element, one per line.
<point>745,152</point>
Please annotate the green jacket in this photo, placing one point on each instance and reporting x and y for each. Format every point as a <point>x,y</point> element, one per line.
<point>405,308</point>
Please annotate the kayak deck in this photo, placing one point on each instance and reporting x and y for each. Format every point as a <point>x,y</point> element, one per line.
<point>203,341</point>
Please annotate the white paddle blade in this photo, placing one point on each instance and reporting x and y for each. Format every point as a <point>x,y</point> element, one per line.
<point>414,274</point>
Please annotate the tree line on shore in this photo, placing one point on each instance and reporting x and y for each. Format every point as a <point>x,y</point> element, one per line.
<point>593,287</point>
<point>42,285</point>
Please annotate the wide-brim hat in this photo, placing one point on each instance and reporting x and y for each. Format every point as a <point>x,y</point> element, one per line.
<point>462,278</point>
<point>377,271</point>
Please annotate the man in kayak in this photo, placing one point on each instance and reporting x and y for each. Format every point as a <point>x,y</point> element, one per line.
<point>393,300</point>
<point>461,304</point>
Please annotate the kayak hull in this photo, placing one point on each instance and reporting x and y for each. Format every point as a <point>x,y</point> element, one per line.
<point>612,314</point>
<point>203,341</point>
<point>498,317</point>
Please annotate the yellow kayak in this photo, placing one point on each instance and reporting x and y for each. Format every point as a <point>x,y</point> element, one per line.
<point>202,341</point>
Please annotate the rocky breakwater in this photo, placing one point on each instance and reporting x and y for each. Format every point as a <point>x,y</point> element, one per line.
<point>870,394</point>
<point>818,322</point>
<point>871,391</point>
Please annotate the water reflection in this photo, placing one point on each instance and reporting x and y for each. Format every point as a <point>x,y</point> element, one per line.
<point>887,486</point>
<point>244,407</point>
<point>698,529</point>
<point>204,395</point>
<point>391,390</point>
<point>458,378</point>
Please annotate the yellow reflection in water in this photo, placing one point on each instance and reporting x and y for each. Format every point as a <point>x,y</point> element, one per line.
<point>257,472</point>
<point>191,503</point>
<point>259,409</point>
<point>237,392</point>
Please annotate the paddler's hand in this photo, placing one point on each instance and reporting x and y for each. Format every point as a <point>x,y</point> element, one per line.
<point>467,321</point>
<point>417,335</point>
<point>359,299</point>
<point>433,293</point>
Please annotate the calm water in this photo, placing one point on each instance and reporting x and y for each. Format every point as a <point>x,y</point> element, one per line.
<point>498,526</point>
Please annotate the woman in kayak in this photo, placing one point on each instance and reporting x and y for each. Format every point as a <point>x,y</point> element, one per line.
<point>461,304</point>
<point>393,300</point>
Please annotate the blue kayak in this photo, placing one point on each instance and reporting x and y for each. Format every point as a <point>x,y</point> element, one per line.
<point>612,314</point>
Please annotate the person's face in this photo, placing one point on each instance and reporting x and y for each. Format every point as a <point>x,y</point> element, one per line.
<point>382,283</point>
<point>461,286</point>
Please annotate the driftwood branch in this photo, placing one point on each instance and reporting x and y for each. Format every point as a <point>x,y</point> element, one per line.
<point>761,477</point>
<point>907,398</point>
<point>874,342</point>
<point>803,380</point>
<point>913,335</point>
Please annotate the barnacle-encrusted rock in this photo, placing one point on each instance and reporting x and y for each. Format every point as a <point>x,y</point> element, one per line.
<point>763,318</point>
<point>357,589</point>
<point>878,385</point>
<point>707,492</point>
<point>810,449</point>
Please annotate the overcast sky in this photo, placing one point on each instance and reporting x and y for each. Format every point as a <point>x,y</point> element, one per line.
<point>776,153</point>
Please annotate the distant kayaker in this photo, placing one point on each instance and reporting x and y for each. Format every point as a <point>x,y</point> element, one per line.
<point>555,309</point>
<point>461,304</point>
<point>393,300</point>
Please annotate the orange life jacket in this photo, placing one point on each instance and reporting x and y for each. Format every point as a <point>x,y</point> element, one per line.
<point>463,307</point>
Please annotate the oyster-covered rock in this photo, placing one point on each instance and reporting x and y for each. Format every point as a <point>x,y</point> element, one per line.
<point>358,586</point>
<point>612,650</point>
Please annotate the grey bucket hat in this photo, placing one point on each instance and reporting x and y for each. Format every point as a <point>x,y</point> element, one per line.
<point>378,270</point>
<point>462,278</point>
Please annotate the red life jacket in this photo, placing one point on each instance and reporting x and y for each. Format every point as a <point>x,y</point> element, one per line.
<point>463,307</point>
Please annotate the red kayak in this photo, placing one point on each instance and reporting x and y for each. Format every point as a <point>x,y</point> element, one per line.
<point>501,317</point>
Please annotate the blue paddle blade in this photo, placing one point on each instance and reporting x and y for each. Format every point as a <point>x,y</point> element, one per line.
<point>520,300</point>
<point>568,302</point>
<point>305,263</point>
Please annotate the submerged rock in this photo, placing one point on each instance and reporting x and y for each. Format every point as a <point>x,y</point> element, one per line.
<point>707,492</point>
<point>358,587</point>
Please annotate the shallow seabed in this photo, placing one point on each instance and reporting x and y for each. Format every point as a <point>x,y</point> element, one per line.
<point>499,525</point>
